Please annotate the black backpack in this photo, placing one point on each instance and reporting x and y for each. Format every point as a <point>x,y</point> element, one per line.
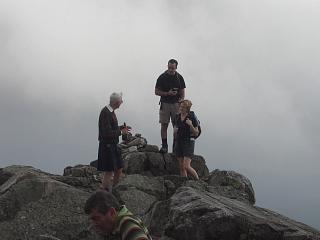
<point>193,116</point>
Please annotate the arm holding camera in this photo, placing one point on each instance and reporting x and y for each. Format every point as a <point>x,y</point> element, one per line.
<point>182,93</point>
<point>171,92</point>
<point>125,129</point>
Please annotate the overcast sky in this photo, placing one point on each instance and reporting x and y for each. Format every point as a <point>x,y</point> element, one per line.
<point>251,69</point>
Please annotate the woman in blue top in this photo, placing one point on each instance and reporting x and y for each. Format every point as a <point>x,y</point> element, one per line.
<point>185,129</point>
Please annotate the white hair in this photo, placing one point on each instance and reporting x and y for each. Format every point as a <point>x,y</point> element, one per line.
<point>115,97</point>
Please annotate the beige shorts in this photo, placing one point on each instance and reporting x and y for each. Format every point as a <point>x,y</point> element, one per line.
<point>167,111</point>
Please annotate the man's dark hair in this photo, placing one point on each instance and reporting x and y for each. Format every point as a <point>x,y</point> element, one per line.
<point>173,61</point>
<point>101,201</point>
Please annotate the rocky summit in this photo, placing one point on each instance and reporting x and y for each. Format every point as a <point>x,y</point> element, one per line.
<point>37,205</point>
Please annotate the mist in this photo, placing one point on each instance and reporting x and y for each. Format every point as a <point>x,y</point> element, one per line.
<point>250,67</point>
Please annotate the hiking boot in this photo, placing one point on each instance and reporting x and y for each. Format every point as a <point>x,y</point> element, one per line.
<point>163,149</point>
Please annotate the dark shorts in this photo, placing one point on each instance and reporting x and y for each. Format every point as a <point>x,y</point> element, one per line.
<point>109,157</point>
<point>184,148</point>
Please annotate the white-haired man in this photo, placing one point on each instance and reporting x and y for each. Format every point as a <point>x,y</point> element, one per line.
<point>109,157</point>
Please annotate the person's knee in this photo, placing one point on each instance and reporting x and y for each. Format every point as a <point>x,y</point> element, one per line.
<point>164,126</point>
<point>186,162</point>
<point>108,174</point>
<point>118,172</point>
<point>183,164</point>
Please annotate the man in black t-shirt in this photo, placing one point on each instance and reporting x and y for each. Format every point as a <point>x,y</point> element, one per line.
<point>170,87</point>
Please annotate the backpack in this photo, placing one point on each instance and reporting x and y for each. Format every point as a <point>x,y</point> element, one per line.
<point>193,115</point>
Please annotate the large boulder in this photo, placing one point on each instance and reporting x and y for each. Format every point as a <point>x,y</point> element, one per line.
<point>135,163</point>
<point>157,163</point>
<point>35,206</point>
<point>141,158</point>
<point>149,148</point>
<point>133,190</point>
<point>231,184</point>
<point>38,205</point>
<point>164,164</point>
<point>199,164</point>
<point>194,214</point>
<point>81,176</point>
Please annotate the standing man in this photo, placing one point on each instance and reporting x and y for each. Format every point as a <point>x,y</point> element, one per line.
<point>170,87</point>
<point>109,157</point>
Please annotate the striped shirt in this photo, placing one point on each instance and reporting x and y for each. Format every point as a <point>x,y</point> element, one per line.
<point>130,227</point>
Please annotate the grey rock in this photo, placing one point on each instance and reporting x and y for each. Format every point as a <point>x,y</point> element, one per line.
<point>138,142</point>
<point>171,164</point>
<point>150,185</point>
<point>166,238</point>
<point>80,171</point>
<point>133,190</point>
<point>157,219</point>
<point>195,214</point>
<point>80,176</point>
<point>165,164</point>
<point>231,184</point>
<point>34,205</point>
<point>156,164</point>
<point>149,148</point>
<point>38,205</point>
<point>4,176</point>
<point>135,163</point>
<point>199,164</point>
<point>136,200</point>
<point>126,151</point>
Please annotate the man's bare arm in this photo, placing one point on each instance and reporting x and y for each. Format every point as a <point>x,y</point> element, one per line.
<point>160,93</point>
<point>182,93</point>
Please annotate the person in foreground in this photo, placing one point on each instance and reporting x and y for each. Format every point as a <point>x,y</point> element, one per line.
<point>109,156</point>
<point>185,131</point>
<point>170,87</point>
<point>108,217</point>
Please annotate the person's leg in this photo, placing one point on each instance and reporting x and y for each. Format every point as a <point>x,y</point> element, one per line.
<point>117,175</point>
<point>189,169</point>
<point>114,165</point>
<point>174,110</point>
<point>164,119</point>
<point>181,167</point>
<point>107,181</point>
<point>184,172</point>
<point>164,129</point>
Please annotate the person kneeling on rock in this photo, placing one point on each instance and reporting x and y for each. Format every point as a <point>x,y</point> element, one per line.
<point>107,217</point>
<point>185,131</point>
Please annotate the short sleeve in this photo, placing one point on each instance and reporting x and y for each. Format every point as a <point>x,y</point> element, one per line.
<point>159,84</point>
<point>182,83</point>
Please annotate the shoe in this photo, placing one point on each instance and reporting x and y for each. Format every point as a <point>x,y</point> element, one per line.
<point>163,150</point>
